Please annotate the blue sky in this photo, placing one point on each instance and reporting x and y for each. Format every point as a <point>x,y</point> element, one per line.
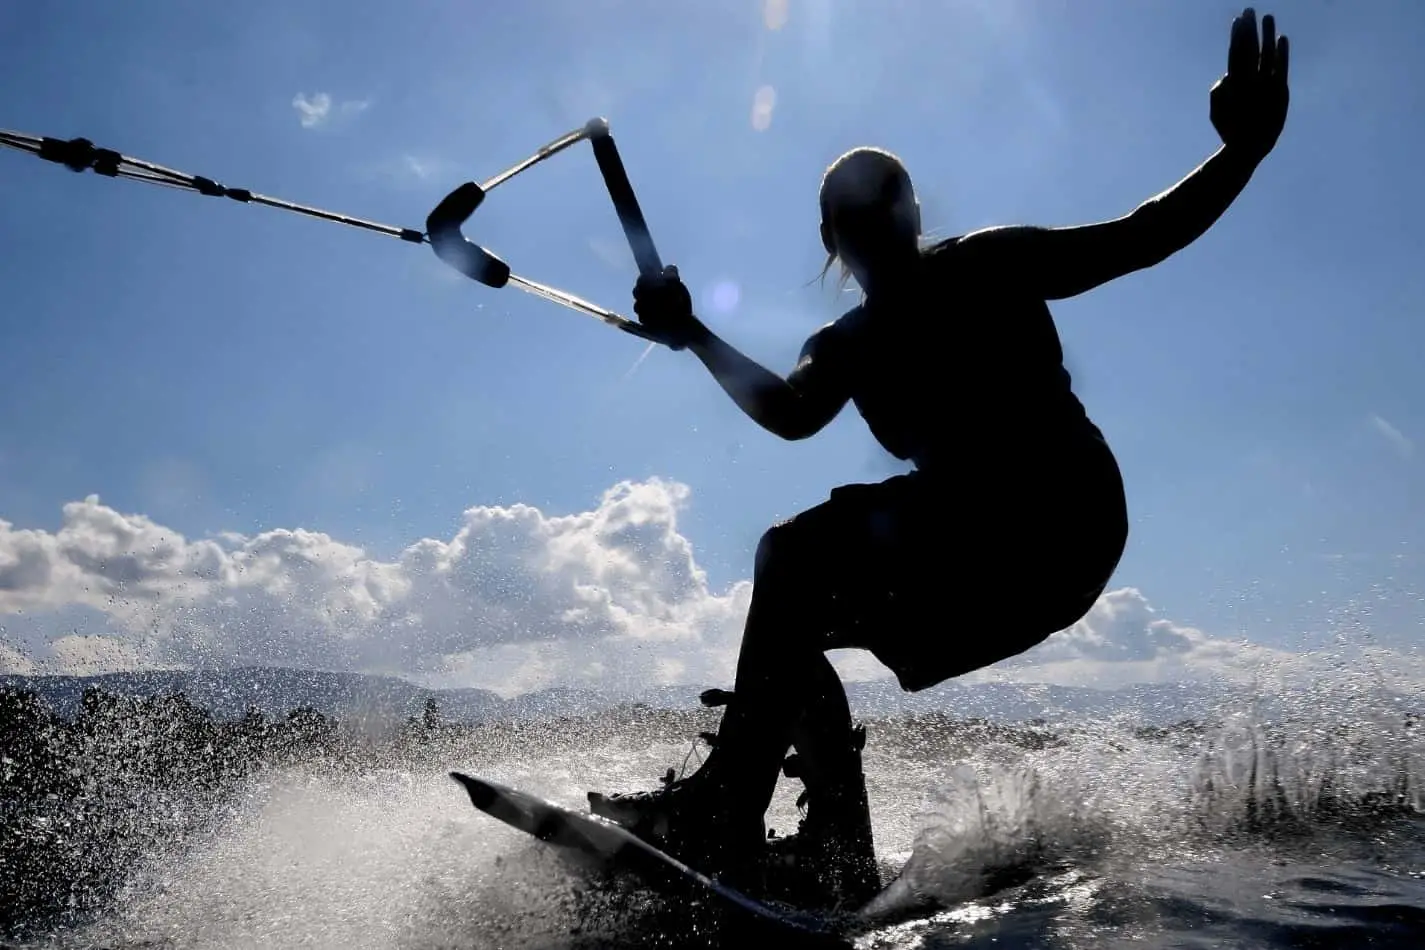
<point>220,368</point>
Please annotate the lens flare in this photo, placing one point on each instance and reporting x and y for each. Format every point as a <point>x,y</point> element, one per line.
<point>774,14</point>
<point>722,296</point>
<point>763,102</point>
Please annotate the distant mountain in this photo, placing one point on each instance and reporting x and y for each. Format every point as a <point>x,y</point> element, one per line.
<point>274,690</point>
<point>377,699</point>
<point>1156,704</point>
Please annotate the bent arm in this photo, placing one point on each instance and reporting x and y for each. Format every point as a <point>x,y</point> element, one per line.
<point>1055,263</point>
<point>793,408</point>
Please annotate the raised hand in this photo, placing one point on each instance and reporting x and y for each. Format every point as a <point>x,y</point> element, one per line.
<point>664,306</point>
<point>1249,103</point>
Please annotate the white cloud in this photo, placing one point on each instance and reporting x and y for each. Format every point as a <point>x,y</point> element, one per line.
<point>1398,440</point>
<point>92,655</point>
<point>408,169</point>
<point>312,111</point>
<point>316,110</point>
<point>1122,641</point>
<point>420,168</point>
<point>515,599</point>
<point>12,661</point>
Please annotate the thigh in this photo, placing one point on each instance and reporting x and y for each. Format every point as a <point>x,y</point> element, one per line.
<point>1022,569</point>
<point>938,579</point>
<point>847,560</point>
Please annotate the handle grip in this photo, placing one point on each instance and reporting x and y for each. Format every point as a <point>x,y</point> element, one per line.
<point>630,216</point>
<point>450,245</point>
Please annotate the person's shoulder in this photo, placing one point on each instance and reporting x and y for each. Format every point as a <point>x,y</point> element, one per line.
<point>941,247</point>
<point>832,335</point>
<point>845,325</point>
<point>983,242</point>
<point>979,254</point>
<point>940,256</point>
<point>961,246</point>
<point>847,320</point>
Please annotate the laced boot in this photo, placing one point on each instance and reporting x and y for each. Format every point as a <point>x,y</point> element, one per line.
<point>692,818</point>
<point>831,860</point>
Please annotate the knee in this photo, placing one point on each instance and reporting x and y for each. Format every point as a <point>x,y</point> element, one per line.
<point>770,542</point>
<point>777,551</point>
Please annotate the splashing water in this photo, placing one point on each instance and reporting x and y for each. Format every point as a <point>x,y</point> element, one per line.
<point>1293,831</point>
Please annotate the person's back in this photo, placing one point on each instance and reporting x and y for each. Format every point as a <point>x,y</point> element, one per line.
<point>956,360</point>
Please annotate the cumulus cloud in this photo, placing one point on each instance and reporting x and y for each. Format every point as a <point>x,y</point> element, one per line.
<point>515,599</point>
<point>92,655</point>
<point>13,662</point>
<point>1122,640</point>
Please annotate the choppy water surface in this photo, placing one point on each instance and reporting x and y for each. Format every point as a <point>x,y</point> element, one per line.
<point>1302,833</point>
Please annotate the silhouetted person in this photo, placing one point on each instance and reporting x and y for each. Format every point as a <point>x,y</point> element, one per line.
<point>1008,528</point>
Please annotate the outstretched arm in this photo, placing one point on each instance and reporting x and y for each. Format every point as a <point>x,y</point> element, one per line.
<point>1249,106</point>
<point>1063,262</point>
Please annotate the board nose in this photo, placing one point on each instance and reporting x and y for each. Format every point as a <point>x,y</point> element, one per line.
<point>481,795</point>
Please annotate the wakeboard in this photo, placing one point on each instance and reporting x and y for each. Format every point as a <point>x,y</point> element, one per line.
<point>612,845</point>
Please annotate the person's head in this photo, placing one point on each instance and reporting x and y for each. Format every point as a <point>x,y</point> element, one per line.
<point>870,218</point>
